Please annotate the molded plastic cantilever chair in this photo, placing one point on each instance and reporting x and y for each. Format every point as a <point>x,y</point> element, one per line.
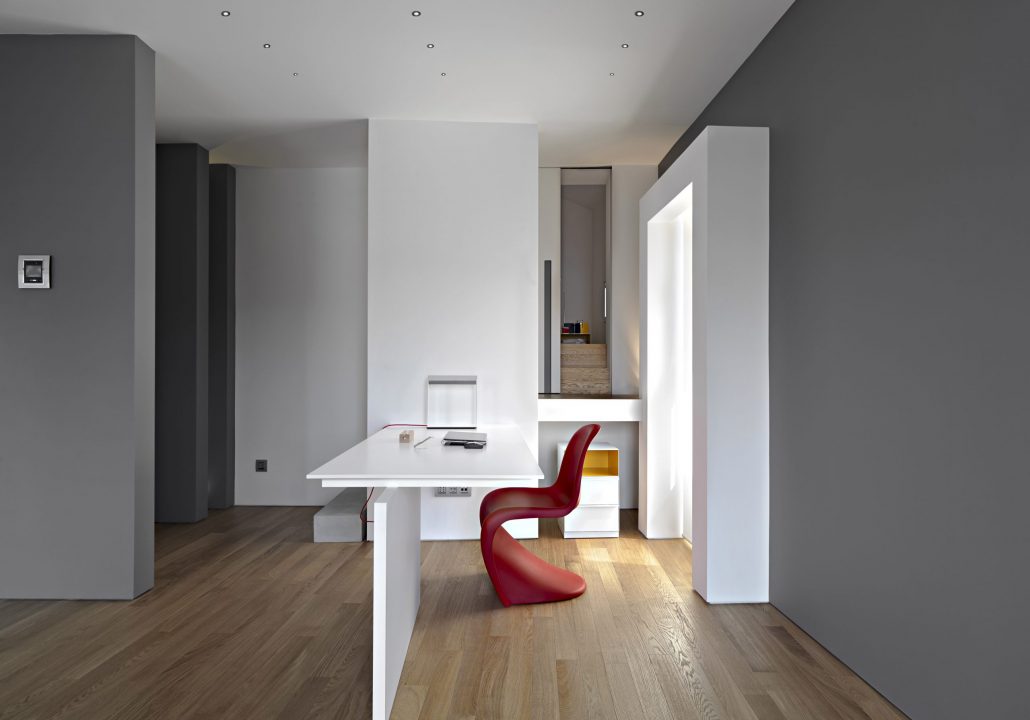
<point>519,576</point>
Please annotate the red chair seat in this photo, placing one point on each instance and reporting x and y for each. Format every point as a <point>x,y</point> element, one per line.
<point>519,576</point>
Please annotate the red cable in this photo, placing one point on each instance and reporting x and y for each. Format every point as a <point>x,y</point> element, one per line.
<point>372,489</point>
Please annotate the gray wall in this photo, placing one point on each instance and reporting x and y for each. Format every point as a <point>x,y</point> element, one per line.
<point>182,332</point>
<point>900,355</point>
<point>301,319</point>
<point>76,361</point>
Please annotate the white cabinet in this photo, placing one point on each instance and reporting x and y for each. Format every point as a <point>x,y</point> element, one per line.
<point>598,511</point>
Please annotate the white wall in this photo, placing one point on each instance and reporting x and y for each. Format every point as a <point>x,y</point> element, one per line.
<point>550,249</point>
<point>300,327</point>
<point>704,231</point>
<point>629,183</point>
<point>453,278</point>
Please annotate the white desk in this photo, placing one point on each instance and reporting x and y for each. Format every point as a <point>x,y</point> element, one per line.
<point>382,461</point>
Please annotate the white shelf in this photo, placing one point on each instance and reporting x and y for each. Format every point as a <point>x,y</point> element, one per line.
<point>589,409</point>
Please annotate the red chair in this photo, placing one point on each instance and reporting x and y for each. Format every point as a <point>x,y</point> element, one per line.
<point>519,576</point>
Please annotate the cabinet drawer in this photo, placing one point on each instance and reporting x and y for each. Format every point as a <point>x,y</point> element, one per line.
<point>593,519</point>
<point>599,491</point>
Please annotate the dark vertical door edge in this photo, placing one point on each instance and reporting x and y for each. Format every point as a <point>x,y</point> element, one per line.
<point>222,339</point>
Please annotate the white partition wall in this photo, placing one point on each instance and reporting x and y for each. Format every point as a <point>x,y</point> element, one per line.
<point>704,230</point>
<point>550,249</point>
<point>452,280</point>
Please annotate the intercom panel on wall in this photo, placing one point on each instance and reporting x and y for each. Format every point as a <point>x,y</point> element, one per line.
<point>34,272</point>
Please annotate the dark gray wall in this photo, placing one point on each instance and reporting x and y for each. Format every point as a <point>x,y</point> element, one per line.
<point>222,339</point>
<point>182,333</point>
<point>900,350</point>
<point>76,361</point>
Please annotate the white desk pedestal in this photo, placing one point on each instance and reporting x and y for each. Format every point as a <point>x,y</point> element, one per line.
<point>382,461</point>
<point>396,590</point>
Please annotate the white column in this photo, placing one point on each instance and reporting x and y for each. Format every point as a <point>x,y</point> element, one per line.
<point>705,223</point>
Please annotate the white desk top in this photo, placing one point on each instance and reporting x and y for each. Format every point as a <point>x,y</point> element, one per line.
<point>383,461</point>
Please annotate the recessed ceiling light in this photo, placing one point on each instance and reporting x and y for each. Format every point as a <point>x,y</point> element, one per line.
<point>639,13</point>
<point>416,13</point>
<point>430,46</point>
<point>267,45</point>
<point>625,45</point>
<point>611,74</point>
<point>296,74</point>
<point>226,13</point>
<point>443,74</point>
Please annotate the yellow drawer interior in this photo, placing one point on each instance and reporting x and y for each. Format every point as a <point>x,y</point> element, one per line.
<point>601,463</point>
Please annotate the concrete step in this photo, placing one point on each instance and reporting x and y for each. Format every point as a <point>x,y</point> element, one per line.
<point>338,521</point>
<point>591,356</point>
<point>586,381</point>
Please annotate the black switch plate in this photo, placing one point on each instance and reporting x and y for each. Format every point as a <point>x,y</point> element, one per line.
<point>261,465</point>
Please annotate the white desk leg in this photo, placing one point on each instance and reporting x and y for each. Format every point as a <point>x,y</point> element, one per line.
<point>396,588</point>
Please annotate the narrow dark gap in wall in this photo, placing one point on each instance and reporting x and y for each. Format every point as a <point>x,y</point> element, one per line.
<point>181,435</point>
<point>222,339</point>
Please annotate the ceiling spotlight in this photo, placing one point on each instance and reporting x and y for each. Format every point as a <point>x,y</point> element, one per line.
<point>430,46</point>
<point>611,74</point>
<point>625,45</point>
<point>443,74</point>
<point>639,13</point>
<point>296,74</point>
<point>267,45</point>
<point>416,13</point>
<point>226,13</point>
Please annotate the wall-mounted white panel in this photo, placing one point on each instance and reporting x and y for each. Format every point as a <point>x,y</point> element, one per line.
<point>452,276</point>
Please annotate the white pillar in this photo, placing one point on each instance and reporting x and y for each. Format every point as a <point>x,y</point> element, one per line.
<point>705,225</point>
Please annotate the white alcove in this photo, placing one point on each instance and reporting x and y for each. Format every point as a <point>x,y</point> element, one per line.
<point>704,259</point>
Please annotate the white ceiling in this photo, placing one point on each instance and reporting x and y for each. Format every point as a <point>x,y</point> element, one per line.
<point>542,61</point>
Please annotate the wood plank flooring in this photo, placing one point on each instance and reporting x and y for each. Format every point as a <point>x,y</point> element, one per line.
<point>249,619</point>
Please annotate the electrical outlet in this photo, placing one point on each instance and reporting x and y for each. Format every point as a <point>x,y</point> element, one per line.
<point>453,492</point>
<point>261,465</point>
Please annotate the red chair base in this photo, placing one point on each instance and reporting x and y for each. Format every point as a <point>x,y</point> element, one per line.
<point>521,578</point>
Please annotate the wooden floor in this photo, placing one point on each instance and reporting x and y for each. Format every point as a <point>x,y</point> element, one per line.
<point>249,619</point>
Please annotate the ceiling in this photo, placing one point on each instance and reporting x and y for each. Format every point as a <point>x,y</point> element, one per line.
<point>331,62</point>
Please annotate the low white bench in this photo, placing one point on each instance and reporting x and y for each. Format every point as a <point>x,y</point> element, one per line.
<point>339,521</point>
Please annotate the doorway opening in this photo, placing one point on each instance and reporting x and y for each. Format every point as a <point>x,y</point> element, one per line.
<point>585,279</point>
